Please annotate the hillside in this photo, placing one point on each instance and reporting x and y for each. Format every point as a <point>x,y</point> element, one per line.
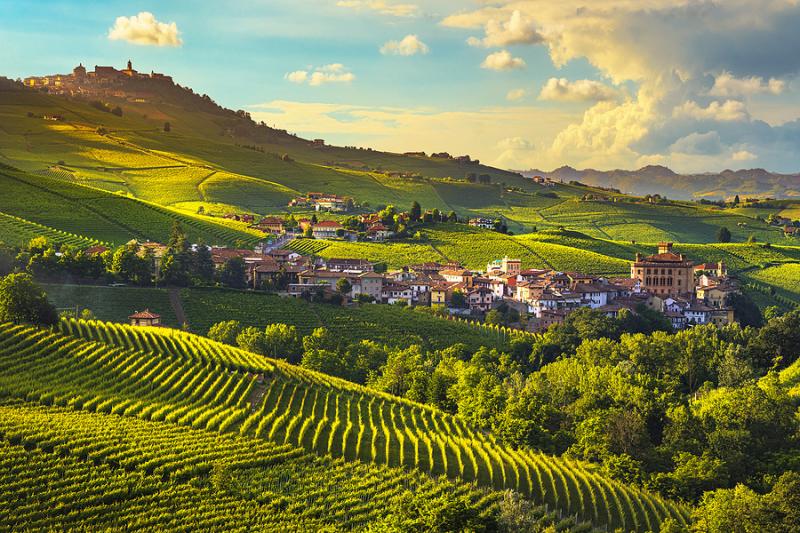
<point>656,179</point>
<point>158,381</point>
<point>223,162</point>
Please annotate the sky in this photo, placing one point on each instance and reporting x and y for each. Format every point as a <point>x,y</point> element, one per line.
<point>697,85</point>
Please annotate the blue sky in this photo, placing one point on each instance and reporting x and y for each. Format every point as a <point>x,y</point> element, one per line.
<point>619,84</point>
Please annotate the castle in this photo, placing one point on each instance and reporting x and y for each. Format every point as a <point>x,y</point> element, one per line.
<point>102,81</point>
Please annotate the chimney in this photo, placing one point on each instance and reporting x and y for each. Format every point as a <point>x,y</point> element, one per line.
<point>664,247</point>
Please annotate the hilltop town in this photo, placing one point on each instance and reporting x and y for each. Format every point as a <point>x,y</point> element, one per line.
<point>103,81</point>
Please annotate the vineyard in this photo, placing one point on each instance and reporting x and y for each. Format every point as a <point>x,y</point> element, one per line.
<point>17,231</point>
<point>385,324</point>
<point>150,377</point>
<point>75,209</point>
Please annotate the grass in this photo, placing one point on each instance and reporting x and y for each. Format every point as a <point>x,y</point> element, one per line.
<point>785,278</point>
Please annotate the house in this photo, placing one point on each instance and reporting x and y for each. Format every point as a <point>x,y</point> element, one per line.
<point>439,294</point>
<point>378,232</point>
<point>271,225</point>
<point>368,283</point>
<point>480,222</point>
<point>480,299</point>
<point>722,317</point>
<point>96,250</point>
<point>716,296</point>
<point>698,313</point>
<point>504,266</point>
<point>457,276</point>
<point>357,266</point>
<point>396,292</point>
<point>145,318</point>
<point>326,229</point>
<point>664,273</point>
<point>550,317</point>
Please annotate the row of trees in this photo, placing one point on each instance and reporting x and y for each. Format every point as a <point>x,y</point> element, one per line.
<point>181,265</point>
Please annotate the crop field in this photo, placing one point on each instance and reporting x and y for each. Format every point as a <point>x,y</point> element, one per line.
<point>96,214</point>
<point>17,231</point>
<point>160,381</point>
<point>392,254</point>
<point>381,323</point>
<point>785,278</point>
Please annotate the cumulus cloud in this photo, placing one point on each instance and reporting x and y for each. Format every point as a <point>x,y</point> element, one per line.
<point>727,111</point>
<point>333,73</point>
<point>743,155</point>
<point>707,143</point>
<point>408,46</point>
<point>502,60</point>
<point>515,95</point>
<point>518,29</point>
<point>726,84</point>
<point>144,29</point>
<point>561,89</point>
<point>724,50</point>
<point>384,8</point>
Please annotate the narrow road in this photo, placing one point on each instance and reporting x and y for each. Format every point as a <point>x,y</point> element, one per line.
<point>177,307</point>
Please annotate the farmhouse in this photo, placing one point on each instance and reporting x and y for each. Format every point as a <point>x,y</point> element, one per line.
<point>485,223</point>
<point>326,229</point>
<point>145,318</point>
<point>270,225</point>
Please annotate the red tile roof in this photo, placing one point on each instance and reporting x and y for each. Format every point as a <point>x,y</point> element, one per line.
<point>146,314</point>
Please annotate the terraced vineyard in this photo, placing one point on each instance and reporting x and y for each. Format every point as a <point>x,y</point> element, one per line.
<point>168,376</point>
<point>17,231</point>
<point>76,209</point>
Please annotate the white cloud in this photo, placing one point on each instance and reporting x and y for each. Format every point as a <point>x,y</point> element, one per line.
<point>144,29</point>
<point>726,84</point>
<point>333,73</point>
<point>515,95</point>
<point>384,8</point>
<point>561,89</point>
<point>502,60</point>
<point>298,76</point>
<point>408,46</point>
<point>727,111</point>
<point>518,29</point>
<point>743,155</point>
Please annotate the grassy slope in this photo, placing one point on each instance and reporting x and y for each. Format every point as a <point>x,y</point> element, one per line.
<point>78,209</point>
<point>199,162</point>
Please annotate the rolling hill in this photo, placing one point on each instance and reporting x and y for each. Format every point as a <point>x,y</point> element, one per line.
<point>113,395</point>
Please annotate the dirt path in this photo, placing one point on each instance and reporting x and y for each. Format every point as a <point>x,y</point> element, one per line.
<point>177,307</point>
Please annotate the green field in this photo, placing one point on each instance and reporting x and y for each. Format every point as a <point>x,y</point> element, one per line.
<point>159,383</point>
<point>114,304</point>
<point>200,162</point>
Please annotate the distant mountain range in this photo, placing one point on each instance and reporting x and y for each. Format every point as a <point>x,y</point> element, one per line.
<point>655,179</point>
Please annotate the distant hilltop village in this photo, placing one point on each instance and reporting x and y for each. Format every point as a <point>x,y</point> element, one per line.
<point>102,81</point>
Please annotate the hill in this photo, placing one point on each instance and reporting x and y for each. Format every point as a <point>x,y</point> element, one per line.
<point>656,179</point>
<point>165,377</point>
<point>221,161</point>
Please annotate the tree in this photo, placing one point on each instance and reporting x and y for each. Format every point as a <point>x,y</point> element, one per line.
<point>458,300</point>
<point>344,286</point>
<point>251,339</point>
<point>233,273</point>
<point>167,127</point>
<point>176,263</point>
<point>21,300</point>
<point>203,265</point>
<point>416,211</point>
<point>225,331</point>
<point>117,111</point>
<point>745,310</point>
<point>736,200</point>
<point>723,235</point>
<point>282,342</point>
<point>309,232</point>
<point>129,265</point>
